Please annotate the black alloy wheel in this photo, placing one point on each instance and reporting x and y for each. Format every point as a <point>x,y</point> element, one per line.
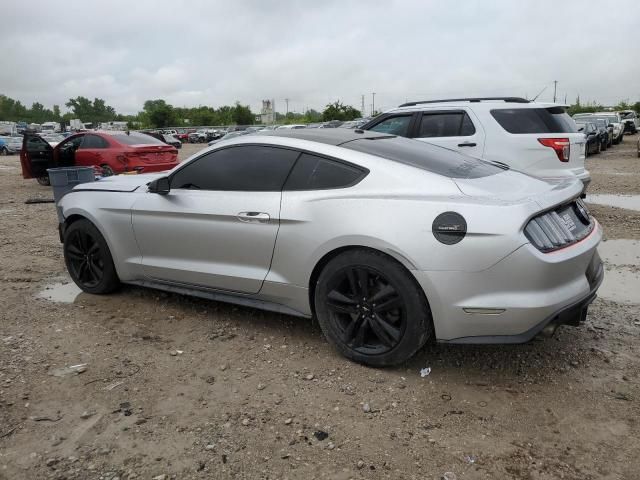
<point>88,258</point>
<point>371,308</point>
<point>107,171</point>
<point>85,259</point>
<point>366,309</point>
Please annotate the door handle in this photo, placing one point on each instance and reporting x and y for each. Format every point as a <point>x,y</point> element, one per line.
<point>254,217</point>
<point>467,144</point>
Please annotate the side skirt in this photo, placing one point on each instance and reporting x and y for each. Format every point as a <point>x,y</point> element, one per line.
<point>210,294</point>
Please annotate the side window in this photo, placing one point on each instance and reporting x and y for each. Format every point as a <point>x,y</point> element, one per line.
<point>93,141</point>
<point>73,143</point>
<point>250,168</point>
<point>317,173</point>
<point>394,125</point>
<point>446,124</point>
<point>35,143</point>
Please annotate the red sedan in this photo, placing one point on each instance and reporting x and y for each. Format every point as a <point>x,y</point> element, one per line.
<point>112,152</point>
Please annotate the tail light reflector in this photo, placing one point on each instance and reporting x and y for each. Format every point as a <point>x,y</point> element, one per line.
<point>562,147</point>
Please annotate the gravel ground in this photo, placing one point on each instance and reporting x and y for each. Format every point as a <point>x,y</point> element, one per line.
<point>175,387</point>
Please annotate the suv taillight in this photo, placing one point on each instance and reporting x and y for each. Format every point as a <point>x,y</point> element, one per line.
<point>562,147</point>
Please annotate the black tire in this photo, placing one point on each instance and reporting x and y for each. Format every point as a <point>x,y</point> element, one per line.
<point>44,181</point>
<point>4,151</point>
<point>88,259</point>
<point>107,171</point>
<point>375,334</point>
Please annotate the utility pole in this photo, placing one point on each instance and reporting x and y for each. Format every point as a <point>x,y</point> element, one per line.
<point>287,102</point>
<point>362,112</point>
<point>555,87</point>
<point>373,103</point>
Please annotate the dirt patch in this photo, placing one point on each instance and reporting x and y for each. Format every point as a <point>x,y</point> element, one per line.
<point>187,388</point>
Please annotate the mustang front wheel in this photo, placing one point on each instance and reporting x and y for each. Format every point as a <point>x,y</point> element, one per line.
<point>371,309</point>
<point>88,258</point>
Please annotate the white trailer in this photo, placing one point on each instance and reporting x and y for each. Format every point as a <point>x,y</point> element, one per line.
<point>51,127</point>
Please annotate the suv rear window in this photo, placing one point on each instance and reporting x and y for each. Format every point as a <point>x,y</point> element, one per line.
<point>534,120</point>
<point>425,156</point>
<point>136,139</point>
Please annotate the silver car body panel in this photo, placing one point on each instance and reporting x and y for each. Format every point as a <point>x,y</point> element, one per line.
<point>195,241</point>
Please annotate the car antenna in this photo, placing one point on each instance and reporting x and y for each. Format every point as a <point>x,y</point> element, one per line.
<point>541,91</point>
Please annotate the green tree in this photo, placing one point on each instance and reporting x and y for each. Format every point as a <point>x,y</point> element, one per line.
<point>241,115</point>
<point>339,111</point>
<point>159,113</point>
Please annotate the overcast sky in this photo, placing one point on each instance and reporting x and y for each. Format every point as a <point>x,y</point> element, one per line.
<point>314,52</point>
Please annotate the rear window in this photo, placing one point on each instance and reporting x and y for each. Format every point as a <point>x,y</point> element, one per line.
<point>534,120</point>
<point>425,156</point>
<point>136,139</point>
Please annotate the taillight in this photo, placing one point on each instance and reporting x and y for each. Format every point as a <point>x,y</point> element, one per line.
<point>562,147</point>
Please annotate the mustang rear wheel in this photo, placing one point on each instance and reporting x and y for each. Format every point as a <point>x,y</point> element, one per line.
<point>88,258</point>
<point>371,309</point>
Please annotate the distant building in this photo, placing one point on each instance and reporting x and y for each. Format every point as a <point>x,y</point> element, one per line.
<point>267,114</point>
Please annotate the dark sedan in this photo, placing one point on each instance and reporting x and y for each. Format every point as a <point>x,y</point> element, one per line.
<point>594,137</point>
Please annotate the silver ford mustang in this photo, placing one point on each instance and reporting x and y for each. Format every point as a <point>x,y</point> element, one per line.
<point>389,242</point>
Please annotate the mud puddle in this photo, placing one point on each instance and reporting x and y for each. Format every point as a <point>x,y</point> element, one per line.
<point>630,202</point>
<point>622,271</point>
<point>63,291</point>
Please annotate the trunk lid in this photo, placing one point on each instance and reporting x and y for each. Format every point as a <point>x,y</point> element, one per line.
<point>153,153</point>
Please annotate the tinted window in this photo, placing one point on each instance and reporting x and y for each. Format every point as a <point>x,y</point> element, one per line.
<point>449,124</point>
<point>35,143</point>
<point>317,173</point>
<point>425,156</point>
<point>73,142</point>
<point>534,120</point>
<point>136,139</point>
<point>93,141</point>
<point>394,125</point>
<point>247,168</point>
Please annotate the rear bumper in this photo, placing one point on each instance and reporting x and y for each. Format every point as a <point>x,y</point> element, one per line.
<point>516,298</point>
<point>573,315</point>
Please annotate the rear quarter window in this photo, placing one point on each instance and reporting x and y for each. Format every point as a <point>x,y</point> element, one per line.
<point>317,173</point>
<point>534,120</point>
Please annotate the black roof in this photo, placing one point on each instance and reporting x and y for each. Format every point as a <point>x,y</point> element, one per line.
<point>330,136</point>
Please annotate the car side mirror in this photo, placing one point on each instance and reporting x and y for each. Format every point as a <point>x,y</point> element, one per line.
<point>160,186</point>
<point>581,129</point>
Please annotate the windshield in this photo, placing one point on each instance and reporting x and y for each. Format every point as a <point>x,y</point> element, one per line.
<point>53,138</point>
<point>425,156</point>
<point>607,119</point>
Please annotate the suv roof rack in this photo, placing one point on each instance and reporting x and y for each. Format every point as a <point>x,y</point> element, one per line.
<point>475,99</point>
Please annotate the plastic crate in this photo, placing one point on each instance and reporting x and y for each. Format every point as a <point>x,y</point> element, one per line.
<point>65,178</point>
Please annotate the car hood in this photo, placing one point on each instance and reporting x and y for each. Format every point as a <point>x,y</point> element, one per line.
<point>510,187</point>
<point>120,183</point>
